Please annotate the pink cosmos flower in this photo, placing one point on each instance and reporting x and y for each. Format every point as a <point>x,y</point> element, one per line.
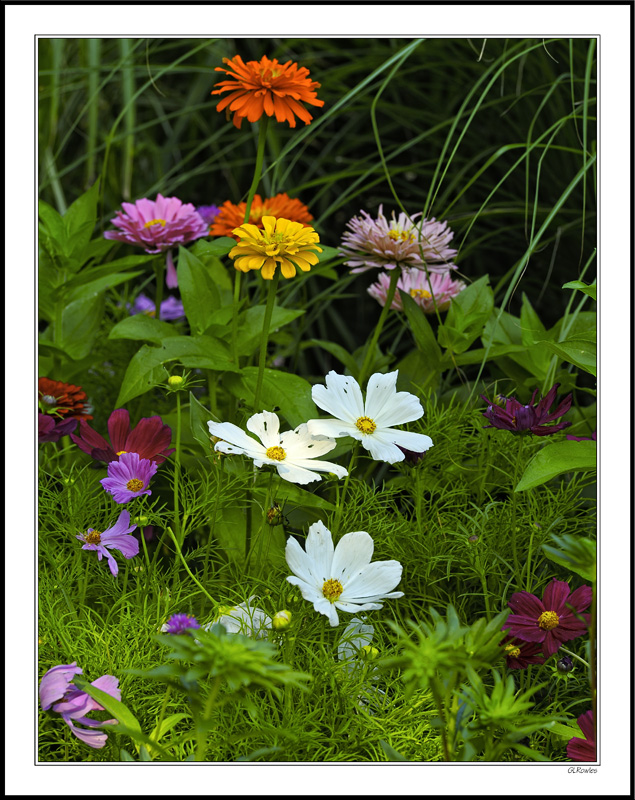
<point>555,619</point>
<point>583,749</point>
<point>129,477</point>
<point>75,704</point>
<point>415,283</point>
<point>115,538</point>
<point>158,225</point>
<point>400,242</point>
<point>149,439</point>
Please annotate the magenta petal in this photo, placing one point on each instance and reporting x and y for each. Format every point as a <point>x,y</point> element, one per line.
<point>526,604</point>
<point>55,682</point>
<point>585,721</point>
<point>581,599</point>
<point>555,596</point>
<point>94,739</point>
<point>118,429</point>
<point>108,684</point>
<point>171,279</point>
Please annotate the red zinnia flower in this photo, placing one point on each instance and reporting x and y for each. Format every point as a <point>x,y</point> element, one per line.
<point>150,439</point>
<point>520,654</point>
<point>267,87</point>
<point>583,749</point>
<point>232,216</point>
<point>533,418</point>
<point>62,399</point>
<point>552,620</point>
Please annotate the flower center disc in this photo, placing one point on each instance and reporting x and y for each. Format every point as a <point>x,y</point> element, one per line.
<point>420,293</point>
<point>94,537</point>
<point>366,425</point>
<point>134,485</point>
<point>152,222</point>
<point>548,620</point>
<point>332,589</point>
<point>276,453</point>
<point>122,452</point>
<point>512,651</point>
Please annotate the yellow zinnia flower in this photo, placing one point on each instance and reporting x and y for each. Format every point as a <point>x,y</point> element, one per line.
<point>282,241</point>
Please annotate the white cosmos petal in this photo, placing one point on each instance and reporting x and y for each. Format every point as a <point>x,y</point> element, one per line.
<point>321,466</point>
<point>375,580</point>
<point>294,473</point>
<point>266,426</point>
<point>298,562</point>
<point>417,442</point>
<point>308,591</point>
<point>341,397</point>
<point>380,446</point>
<point>233,435</point>
<point>301,444</point>
<point>333,427</point>
<point>354,636</point>
<point>352,554</point>
<point>354,608</point>
<point>386,406</point>
<point>323,606</point>
<point>319,549</point>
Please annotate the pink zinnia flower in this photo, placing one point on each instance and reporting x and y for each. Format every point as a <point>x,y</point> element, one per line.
<point>115,538</point>
<point>555,619</point>
<point>75,704</point>
<point>129,477</point>
<point>583,749</point>
<point>150,439</point>
<point>520,654</point>
<point>415,283</point>
<point>158,225</point>
<point>399,242</point>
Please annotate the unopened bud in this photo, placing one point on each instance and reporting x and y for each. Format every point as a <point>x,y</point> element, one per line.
<point>565,664</point>
<point>281,620</point>
<point>175,381</point>
<point>143,520</point>
<point>473,538</point>
<point>274,515</point>
<point>369,652</point>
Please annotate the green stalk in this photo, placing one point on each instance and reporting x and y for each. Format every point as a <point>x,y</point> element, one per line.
<point>93,48</point>
<point>128,93</point>
<point>341,497</point>
<point>581,660</point>
<point>201,734</point>
<point>219,484</point>
<point>187,569</point>
<point>264,339</point>
<point>370,352</point>
<point>177,468</point>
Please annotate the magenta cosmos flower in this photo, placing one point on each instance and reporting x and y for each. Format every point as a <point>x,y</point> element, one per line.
<point>533,418</point>
<point>415,283</point>
<point>150,439</point>
<point>179,623</point>
<point>75,704</point>
<point>115,538</point>
<point>51,429</point>
<point>400,242</point>
<point>555,619</point>
<point>158,225</point>
<point>519,654</point>
<point>592,438</point>
<point>171,308</point>
<point>129,477</point>
<point>583,749</point>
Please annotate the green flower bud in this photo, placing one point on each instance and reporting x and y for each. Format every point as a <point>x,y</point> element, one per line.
<point>281,620</point>
<point>369,652</point>
<point>175,381</point>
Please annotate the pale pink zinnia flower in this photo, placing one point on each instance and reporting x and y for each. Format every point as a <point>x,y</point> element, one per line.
<point>400,242</point>
<point>158,225</point>
<point>415,282</point>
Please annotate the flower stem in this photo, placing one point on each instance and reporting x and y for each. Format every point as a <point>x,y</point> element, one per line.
<point>188,570</point>
<point>341,498</point>
<point>573,655</point>
<point>264,339</point>
<point>177,467</point>
<point>370,352</point>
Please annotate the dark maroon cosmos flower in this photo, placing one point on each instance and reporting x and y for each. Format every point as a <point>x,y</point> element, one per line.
<point>150,439</point>
<point>51,429</point>
<point>521,654</point>
<point>592,438</point>
<point>554,619</point>
<point>533,418</point>
<point>583,749</point>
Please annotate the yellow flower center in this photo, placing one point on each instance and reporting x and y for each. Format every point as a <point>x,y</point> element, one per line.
<point>122,452</point>
<point>365,425</point>
<point>276,453</point>
<point>420,293</point>
<point>134,485</point>
<point>548,620</point>
<point>94,537</point>
<point>512,650</point>
<point>332,590</point>
<point>152,222</point>
<point>401,236</point>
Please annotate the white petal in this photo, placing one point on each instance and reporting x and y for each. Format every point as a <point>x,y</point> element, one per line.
<point>354,636</point>
<point>381,448</point>
<point>266,426</point>
<point>341,397</point>
<point>308,591</point>
<point>323,606</point>
<point>332,427</point>
<point>386,406</point>
<point>374,582</point>
<point>354,608</point>
<point>301,444</point>
<point>352,554</point>
<point>319,549</point>
<point>321,466</point>
<point>236,438</point>
<point>417,442</point>
<point>294,473</point>
<point>299,563</point>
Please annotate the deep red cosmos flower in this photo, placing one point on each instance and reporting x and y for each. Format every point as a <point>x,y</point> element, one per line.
<point>51,429</point>
<point>150,439</point>
<point>521,654</point>
<point>63,400</point>
<point>583,749</point>
<point>533,418</point>
<point>554,619</point>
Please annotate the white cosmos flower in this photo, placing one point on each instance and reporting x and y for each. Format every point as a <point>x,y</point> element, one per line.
<point>244,618</point>
<point>340,577</point>
<point>293,453</point>
<point>370,422</point>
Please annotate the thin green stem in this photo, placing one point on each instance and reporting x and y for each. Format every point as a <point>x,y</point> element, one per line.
<point>573,655</point>
<point>219,483</point>
<point>370,352</point>
<point>177,468</point>
<point>201,734</point>
<point>342,497</point>
<point>187,569</point>
<point>264,339</point>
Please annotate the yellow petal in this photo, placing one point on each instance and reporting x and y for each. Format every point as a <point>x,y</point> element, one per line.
<point>287,267</point>
<point>302,263</point>
<point>269,224</point>
<point>268,269</point>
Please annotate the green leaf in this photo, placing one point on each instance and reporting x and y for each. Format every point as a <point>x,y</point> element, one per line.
<point>579,352</point>
<point>391,753</point>
<point>199,417</point>
<point>590,289</point>
<point>141,327</point>
<point>421,330</point>
<point>79,222</point>
<point>87,289</point>
<point>115,707</point>
<point>327,254</point>
<point>566,731</point>
<point>219,246</point>
<point>291,494</point>
<point>289,394</point>
<point>199,293</point>
<point>336,350</point>
<point>52,224</point>
<point>124,755</point>
<point>81,321</point>
<point>469,312</point>
<point>574,553</point>
<point>250,324</point>
<point>555,459</point>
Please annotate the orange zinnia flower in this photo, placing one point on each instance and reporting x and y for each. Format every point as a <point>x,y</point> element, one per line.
<point>232,216</point>
<point>267,86</point>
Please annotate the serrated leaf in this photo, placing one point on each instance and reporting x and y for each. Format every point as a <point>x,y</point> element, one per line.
<point>556,459</point>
